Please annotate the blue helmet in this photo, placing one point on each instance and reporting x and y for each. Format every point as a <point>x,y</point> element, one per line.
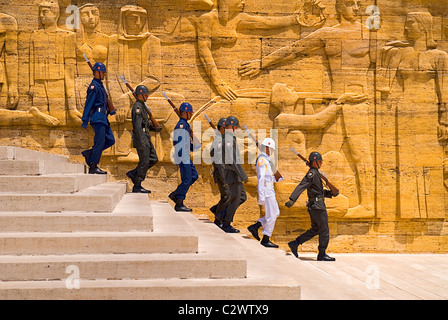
<point>315,156</point>
<point>99,67</point>
<point>186,107</point>
<point>222,122</point>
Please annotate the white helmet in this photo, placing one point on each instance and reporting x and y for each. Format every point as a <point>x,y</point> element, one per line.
<point>268,142</point>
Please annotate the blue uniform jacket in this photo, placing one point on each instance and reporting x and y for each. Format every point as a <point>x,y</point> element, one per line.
<point>182,142</point>
<point>95,109</point>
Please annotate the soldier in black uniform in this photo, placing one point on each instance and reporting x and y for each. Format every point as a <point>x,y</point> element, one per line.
<point>216,155</point>
<point>312,182</point>
<point>143,122</point>
<point>234,175</point>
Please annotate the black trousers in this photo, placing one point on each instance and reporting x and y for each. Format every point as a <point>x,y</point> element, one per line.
<point>224,192</point>
<point>147,159</point>
<point>237,196</point>
<point>319,226</point>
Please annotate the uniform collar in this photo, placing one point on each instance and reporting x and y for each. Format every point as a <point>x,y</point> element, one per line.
<point>264,155</point>
<point>98,81</point>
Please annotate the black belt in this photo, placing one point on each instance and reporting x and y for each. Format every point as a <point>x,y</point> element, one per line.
<point>317,199</point>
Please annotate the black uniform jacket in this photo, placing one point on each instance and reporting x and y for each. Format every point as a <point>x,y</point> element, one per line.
<point>234,171</point>
<point>312,182</point>
<point>142,125</point>
<point>216,154</point>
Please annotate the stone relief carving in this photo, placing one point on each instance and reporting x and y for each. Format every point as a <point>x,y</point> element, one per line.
<point>346,54</point>
<point>136,54</point>
<point>411,67</point>
<point>9,80</point>
<point>176,20</point>
<point>92,42</point>
<point>52,67</point>
<point>219,27</point>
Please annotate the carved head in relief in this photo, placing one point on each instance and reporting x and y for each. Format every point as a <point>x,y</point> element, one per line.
<point>418,25</point>
<point>348,9</point>
<point>283,97</point>
<point>48,13</point>
<point>228,8</point>
<point>133,22</point>
<point>90,16</point>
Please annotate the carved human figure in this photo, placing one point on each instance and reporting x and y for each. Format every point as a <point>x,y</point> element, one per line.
<point>219,27</point>
<point>92,42</point>
<point>294,120</point>
<point>9,80</point>
<point>136,54</point>
<point>415,76</point>
<point>347,58</point>
<point>52,67</point>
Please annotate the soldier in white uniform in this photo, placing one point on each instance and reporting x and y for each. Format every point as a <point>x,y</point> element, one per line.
<point>266,194</point>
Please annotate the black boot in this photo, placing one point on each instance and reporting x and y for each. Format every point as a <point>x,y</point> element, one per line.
<point>267,243</point>
<point>139,189</point>
<point>93,169</point>
<point>172,197</point>
<point>227,228</point>
<point>86,154</point>
<point>221,215</point>
<point>294,245</point>
<point>324,257</point>
<point>131,176</point>
<point>181,207</point>
<point>253,229</point>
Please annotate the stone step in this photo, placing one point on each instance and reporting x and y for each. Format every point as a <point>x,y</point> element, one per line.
<point>15,153</point>
<point>100,198</point>
<point>38,167</point>
<point>55,183</point>
<point>73,222</point>
<point>132,213</point>
<point>52,243</point>
<point>121,266</point>
<point>155,289</point>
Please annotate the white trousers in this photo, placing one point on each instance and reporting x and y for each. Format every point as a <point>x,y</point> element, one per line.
<point>271,214</point>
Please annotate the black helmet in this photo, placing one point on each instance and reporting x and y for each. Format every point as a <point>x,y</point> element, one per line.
<point>222,122</point>
<point>141,89</point>
<point>315,156</point>
<point>232,121</point>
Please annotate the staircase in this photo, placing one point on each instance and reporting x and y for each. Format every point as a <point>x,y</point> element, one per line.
<point>65,234</point>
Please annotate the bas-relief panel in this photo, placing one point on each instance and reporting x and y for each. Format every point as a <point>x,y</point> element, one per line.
<point>372,101</point>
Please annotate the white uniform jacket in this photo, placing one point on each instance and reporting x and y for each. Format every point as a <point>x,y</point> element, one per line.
<point>266,179</point>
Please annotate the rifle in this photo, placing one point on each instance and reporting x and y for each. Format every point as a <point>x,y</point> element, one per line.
<point>334,190</point>
<point>110,106</point>
<point>195,140</point>
<point>277,174</point>
<point>151,117</point>
<point>210,122</point>
<point>172,104</point>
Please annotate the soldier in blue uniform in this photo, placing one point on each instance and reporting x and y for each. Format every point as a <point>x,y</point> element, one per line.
<point>96,112</point>
<point>182,148</point>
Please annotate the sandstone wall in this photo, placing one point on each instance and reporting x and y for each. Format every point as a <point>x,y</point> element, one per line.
<point>350,82</point>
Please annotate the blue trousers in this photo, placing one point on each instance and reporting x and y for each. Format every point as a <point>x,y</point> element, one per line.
<point>104,138</point>
<point>188,175</point>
